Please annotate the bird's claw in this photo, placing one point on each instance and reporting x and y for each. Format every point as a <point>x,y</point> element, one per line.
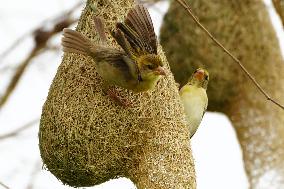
<point>114,95</point>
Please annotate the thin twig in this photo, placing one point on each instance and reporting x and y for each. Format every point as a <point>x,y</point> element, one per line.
<point>16,77</point>
<point>184,4</point>
<point>41,37</point>
<point>20,129</point>
<point>13,46</point>
<point>5,186</point>
<point>41,25</point>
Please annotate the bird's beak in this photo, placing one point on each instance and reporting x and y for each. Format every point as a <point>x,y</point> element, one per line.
<point>160,71</point>
<point>199,74</point>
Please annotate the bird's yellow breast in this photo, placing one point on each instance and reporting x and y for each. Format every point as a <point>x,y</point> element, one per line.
<point>195,102</point>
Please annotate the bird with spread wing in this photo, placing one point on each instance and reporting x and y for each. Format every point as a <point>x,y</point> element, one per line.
<point>137,65</point>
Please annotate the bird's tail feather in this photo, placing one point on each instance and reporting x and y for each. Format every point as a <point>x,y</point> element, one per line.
<point>75,42</point>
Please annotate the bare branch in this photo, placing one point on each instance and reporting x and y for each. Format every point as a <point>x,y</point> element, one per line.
<point>41,37</point>
<point>13,46</point>
<point>184,4</point>
<point>5,186</point>
<point>16,77</point>
<point>17,131</point>
<point>279,7</point>
<point>54,48</point>
<point>61,16</point>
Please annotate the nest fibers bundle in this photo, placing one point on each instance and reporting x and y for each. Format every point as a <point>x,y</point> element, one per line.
<point>86,139</point>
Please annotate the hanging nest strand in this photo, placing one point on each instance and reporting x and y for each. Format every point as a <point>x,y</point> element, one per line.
<point>243,27</point>
<point>86,139</point>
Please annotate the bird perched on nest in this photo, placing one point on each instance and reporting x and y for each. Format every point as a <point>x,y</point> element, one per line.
<point>194,98</point>
<point>137,66</point>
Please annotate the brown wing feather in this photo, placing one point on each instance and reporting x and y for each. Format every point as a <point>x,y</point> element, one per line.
<point>151,32</point>
<point>121,40</point>
<point>136,35</point>
<point>136,44</point>
<point>135,18</point>
<point>144,20</point>
<point>133,23</point>
<point>139,20</point>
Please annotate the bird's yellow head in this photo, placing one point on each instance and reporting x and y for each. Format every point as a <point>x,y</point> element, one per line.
<point>150,67</point>
<point>200,78</point>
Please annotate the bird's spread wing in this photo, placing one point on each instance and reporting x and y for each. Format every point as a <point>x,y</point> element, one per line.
<point>115,58</point>
<point>136,35</point>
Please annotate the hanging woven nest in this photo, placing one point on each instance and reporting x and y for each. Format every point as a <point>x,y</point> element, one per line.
<point>86,139</point>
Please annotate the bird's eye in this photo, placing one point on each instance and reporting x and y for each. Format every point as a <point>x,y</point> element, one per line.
<point>150,66</point>
<point>206,77</point>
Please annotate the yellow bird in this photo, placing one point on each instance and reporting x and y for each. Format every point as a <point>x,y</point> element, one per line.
<point>137,65</point>
<point>194,98</point>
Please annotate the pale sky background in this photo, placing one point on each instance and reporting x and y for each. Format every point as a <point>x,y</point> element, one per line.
<point>217,154</point>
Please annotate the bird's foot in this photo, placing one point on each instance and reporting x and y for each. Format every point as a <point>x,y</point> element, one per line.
<point>114,95</point>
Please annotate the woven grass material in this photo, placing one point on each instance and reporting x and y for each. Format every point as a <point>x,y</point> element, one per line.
<point>244,27</point>
<point>86,139</point>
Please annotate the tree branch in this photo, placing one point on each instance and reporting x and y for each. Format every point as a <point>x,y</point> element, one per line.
<point>41,37</point>
<point>17,131</point>
<point>5,186</point>
<point>184,4</point>
<point>55,19</point>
